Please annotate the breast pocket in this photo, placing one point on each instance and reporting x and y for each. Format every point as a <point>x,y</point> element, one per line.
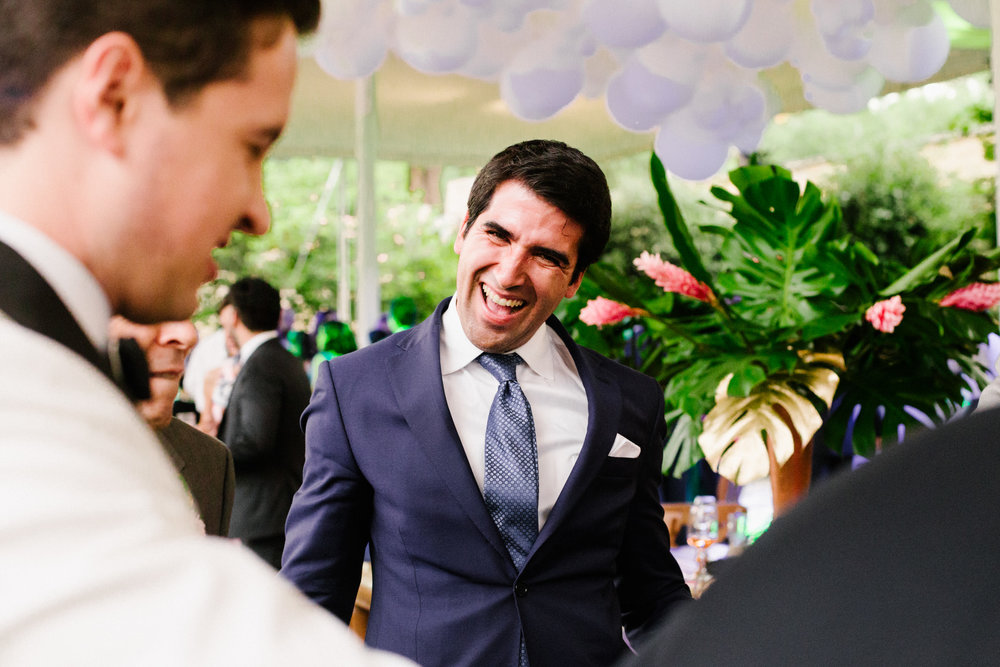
<point>615,466</point>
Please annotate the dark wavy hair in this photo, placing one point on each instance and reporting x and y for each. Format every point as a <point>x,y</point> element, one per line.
<point>560,175</point>
<point>257,303</point>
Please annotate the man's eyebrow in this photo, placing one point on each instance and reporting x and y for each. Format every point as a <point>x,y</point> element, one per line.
<point>489,225</point>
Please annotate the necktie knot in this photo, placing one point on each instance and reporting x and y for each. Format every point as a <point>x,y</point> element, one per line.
<point>501,366</point>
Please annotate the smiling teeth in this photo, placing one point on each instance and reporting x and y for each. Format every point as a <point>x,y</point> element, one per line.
<point>507,303</point>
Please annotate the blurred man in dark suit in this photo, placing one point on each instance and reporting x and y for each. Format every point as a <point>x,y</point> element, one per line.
<point>892,564</point>
<point>261,422</point>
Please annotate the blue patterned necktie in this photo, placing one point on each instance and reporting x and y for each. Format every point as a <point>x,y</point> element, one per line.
<point>510,482</point>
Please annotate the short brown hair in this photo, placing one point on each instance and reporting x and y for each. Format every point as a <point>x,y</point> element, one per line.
<point>187,43</point>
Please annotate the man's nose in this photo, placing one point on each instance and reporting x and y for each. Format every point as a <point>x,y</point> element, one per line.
<point>509,269</point>
<point>181,334</point>
<point>257,219</point>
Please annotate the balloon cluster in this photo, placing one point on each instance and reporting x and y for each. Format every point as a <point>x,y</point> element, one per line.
<point>687,69</point>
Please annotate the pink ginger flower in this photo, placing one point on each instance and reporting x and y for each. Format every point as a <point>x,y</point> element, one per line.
<point>672,278</point>
<point>886,315</point>
<point>601,311</point>
<point>977,297</point>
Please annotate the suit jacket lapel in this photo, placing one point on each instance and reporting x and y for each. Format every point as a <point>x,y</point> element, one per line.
<point>31,302</point>
<point>175,456</point>
<point>604,404</point>
<point>415,375</point>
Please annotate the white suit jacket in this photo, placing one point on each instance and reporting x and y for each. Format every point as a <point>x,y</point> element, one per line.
<point>101,560</point>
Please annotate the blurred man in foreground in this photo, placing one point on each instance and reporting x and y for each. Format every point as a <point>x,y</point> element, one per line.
<point>132,134</point>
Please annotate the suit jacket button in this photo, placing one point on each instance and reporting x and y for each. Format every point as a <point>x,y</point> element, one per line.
<point>520,590</point>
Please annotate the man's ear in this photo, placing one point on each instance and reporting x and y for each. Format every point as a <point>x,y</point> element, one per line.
<point>574,286</point>
<point>111,75</point>
<point>460,237</point>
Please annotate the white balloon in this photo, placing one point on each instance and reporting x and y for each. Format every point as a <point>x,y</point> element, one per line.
<point>540,93</point>
<point>816,64</point>
<point>976,12</point>
<point>687,154</point>
<point>705,20</point>
<point>727,107</point>
<point>493,49</point>
<point>632,25</point>
<point>842,25</point>
<point>847,99</point>
<point>441,39</point>
<point>638,100</point>
<point>352,40</point>
<point>766,37</point>
<point>833,15</point>
<point>674,58</point>
<point>543,78</point>
<point>509,14</point>
<point>847,44</point>
<point>909,55</point>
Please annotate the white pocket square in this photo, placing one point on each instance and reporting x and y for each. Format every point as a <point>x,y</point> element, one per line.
<point>624,448</point>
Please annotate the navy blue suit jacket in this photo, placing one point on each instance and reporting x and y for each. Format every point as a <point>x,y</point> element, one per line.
<point>384,464</point>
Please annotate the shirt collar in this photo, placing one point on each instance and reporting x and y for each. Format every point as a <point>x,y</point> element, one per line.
<point>457,351</point>
<point>75,286</point>
<point>256,341</point>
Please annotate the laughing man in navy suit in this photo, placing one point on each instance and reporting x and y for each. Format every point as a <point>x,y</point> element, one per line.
<point>396,458</point>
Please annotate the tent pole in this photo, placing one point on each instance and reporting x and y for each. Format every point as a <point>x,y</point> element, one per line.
<point>368,300</point>
<point>344,265</point>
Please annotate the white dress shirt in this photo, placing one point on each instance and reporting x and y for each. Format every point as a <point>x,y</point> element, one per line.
<point>552,386</point>
<point>249,347</point>
<point>67,276</point>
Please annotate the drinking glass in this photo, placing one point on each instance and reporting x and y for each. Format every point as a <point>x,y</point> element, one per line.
<point>736,533</point>
<point>702,531</point>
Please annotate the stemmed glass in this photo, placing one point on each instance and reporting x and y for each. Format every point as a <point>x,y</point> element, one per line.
<point>702,531</point>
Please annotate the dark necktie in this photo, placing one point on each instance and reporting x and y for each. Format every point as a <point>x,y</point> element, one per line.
<point>510,482</point>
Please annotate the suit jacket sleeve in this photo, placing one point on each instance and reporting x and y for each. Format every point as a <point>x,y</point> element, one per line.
<point>651,582</point>
<point>328,524</point>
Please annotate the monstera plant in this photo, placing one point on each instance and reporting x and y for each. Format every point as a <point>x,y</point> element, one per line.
<point>797,330</point>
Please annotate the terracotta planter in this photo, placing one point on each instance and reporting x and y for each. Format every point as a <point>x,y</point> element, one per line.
<point>790,482</point>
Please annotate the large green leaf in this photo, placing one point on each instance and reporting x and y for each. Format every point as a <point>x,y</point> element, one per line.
<point>674,221</point>
<point>928,267</point>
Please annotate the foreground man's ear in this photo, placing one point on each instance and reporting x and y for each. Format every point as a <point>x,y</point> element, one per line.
<point>109,77</point>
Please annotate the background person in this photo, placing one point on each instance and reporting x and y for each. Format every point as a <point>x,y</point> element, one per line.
<point>261,422</point>
<point>492,545</point>
<point>204,464</point>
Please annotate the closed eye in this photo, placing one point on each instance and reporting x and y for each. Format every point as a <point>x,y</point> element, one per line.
<point>496,232</point>
<point>551,258</point>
